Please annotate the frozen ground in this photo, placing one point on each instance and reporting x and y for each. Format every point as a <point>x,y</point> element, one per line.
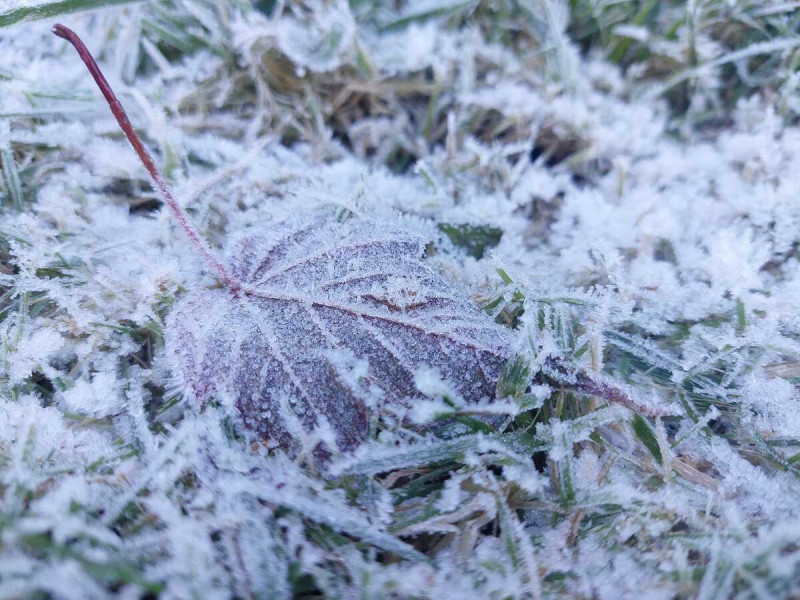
<point>616,183</point>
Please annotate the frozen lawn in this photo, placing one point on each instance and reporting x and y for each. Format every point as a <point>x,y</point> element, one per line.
<point>590,209</point>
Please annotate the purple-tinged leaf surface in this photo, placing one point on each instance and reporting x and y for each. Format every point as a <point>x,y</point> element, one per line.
<point>313,289</point>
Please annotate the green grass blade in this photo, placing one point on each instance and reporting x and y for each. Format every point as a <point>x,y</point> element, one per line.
<point>436,452</point>
<point>646,435</point>
<point>761,48</point>
<point>47,10</point>
<point>11,173</point>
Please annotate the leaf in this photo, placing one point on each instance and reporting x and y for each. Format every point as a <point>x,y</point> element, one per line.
<point>474,239</point>
<point>315,291</point>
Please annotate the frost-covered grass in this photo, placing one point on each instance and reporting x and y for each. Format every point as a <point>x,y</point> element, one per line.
<point>615,182</point>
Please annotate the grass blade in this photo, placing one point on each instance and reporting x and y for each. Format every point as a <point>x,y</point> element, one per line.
<point>47,10</point>
<point>11,174</point>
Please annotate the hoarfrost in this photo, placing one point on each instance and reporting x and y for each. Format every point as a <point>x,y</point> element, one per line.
<point>514,194</point>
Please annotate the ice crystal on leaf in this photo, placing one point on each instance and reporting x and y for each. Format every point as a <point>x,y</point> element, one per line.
<point>303,288</point>
<point>314,285</point>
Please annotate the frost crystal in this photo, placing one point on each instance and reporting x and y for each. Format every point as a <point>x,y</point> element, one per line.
<point>605,194</point>
<point>313,285</point>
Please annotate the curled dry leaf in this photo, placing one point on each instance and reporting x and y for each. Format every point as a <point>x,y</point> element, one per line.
<point>315,289</point>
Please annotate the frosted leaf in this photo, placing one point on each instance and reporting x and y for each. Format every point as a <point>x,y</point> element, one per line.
<point>315,286</point>
<point>429,381</point>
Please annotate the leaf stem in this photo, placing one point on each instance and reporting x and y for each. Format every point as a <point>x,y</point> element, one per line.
<point>147,160</point>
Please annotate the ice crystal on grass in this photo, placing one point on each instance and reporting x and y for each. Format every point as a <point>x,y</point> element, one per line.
<point>318,40</point>
<point>516,156</point>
